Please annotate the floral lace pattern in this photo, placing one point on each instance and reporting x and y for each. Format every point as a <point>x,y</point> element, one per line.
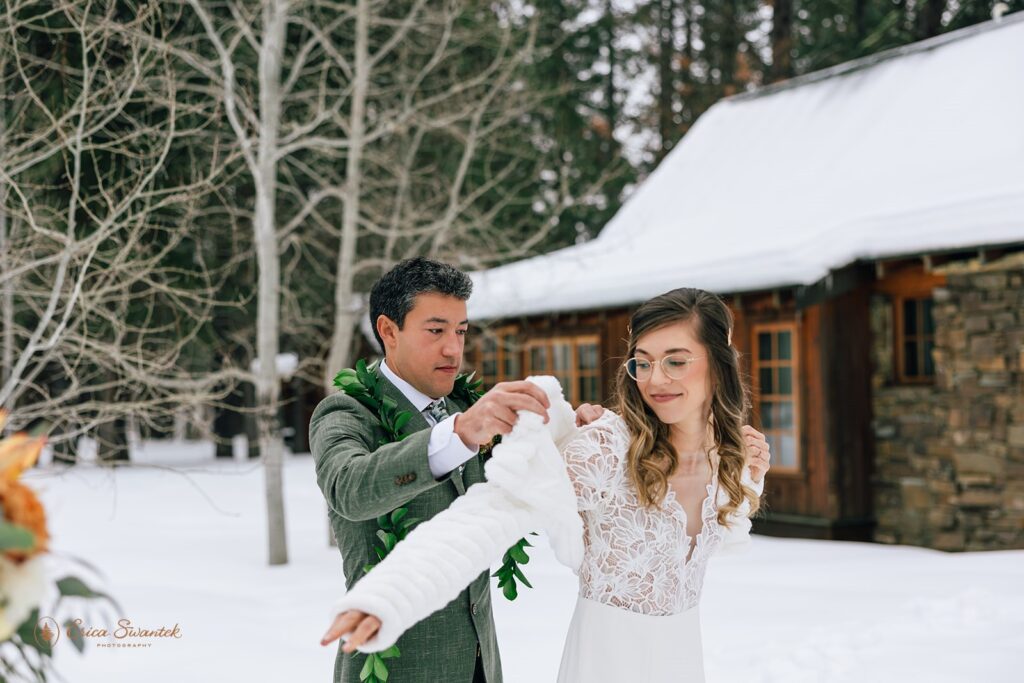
<point>635,557</point>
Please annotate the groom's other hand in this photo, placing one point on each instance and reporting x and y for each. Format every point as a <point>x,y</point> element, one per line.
<point>359,627</point>
<point>495,412</point>
<point>587,413</point>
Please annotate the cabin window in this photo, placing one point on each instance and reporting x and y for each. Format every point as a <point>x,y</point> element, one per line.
<point>499,356</point>
<point>915,339</point>
<point>573,360</point>
<point>776,380</point>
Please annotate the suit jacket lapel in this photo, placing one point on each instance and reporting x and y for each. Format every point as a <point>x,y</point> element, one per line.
<point>418,421</point>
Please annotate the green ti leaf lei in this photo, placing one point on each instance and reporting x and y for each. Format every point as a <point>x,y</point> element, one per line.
<point>363,384</point>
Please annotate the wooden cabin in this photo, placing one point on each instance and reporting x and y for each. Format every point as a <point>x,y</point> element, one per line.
<point>866,226</point>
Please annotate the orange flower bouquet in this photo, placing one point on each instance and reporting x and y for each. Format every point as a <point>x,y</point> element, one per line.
<point>24,541</point>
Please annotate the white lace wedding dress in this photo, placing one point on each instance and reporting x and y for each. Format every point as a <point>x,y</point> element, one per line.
<point>637,616</point>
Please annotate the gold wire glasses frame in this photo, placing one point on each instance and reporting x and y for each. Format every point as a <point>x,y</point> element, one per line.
<point>674,367</point>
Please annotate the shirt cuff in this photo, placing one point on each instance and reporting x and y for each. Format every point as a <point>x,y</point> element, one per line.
<point>445,450</point>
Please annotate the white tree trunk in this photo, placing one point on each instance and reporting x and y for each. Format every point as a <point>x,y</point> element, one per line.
<point>345,318</point>
<point>7,292</point>
<point>269,297</point>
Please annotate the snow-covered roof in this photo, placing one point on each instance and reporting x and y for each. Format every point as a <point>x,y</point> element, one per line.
<point>914,150</point>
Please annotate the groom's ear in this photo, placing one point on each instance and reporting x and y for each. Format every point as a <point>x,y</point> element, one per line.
<point>388,331</point>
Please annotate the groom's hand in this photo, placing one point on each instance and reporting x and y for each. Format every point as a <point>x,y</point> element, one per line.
<point>360,625</point>
<point>495,412</point>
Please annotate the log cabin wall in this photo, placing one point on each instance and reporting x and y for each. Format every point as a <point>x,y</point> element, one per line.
<point>800,497</point>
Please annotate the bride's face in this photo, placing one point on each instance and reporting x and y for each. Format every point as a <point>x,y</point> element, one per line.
<point>683,393</point>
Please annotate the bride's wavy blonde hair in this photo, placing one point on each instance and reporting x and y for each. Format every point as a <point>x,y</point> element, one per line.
<point>652,459</point>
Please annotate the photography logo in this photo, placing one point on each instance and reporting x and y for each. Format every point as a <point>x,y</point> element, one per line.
<point>48,632</point>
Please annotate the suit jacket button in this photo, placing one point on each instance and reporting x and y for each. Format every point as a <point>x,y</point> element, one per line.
<point>472,608</point>
<point>399,481</point>
<point>411,477</point>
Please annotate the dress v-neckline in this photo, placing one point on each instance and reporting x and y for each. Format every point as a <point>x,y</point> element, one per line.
<point>672,500</point>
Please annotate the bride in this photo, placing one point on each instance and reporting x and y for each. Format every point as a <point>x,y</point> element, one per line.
<point>661,485</point>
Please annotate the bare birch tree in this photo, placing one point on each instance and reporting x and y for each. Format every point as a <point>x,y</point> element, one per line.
<point>370,131</point>
<point>103,278</point>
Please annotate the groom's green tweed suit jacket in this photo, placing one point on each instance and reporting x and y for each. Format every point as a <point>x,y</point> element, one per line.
<point>361,482</point>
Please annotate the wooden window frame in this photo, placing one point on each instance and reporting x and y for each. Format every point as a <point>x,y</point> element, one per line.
<point>794,363</point>
<point>575,374</point>
<point>900,338</point>
<point>501,354</point>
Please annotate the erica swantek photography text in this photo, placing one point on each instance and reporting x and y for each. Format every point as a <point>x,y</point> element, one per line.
<point>124,634</point>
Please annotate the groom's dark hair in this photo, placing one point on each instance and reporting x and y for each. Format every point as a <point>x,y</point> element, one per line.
<point>394,294</point>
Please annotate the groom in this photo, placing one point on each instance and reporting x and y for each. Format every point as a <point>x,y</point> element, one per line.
<point>418,310</point>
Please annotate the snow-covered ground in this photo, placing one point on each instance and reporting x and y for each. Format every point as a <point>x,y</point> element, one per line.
<point>186,546</point>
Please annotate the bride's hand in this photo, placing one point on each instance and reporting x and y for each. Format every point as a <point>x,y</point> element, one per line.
<point>587,413</point>
<point>360,625</point>
<point>759,454</point>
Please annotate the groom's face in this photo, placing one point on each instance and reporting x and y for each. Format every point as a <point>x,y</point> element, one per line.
<point>427,351</point>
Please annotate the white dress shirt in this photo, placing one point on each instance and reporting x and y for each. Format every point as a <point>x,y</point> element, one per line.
<point>445,450</point>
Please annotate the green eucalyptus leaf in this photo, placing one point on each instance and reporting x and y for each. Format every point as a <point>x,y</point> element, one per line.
<point>518,554</point>
<point>402,420</point>
<point>398,515</point>
<point>75,634</point>
<point>72,586</point>
<point>522,577</point>
<point>14,537</point>
<point>380,669</point>
<point>367,669</point>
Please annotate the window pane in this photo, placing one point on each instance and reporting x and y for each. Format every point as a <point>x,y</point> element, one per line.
<point>564,381</point>
<point>929,362</point>
<point>910,359</point>
<point>490,344</point>
<point>785,381</point>
<point>929,321</point>
<point>538,359</point>
<point>787,450</point>
<point>588,389</point>
<point>490,368</point>
<point>783,415</point>
<point>764,346</point>
<point>562,355</point>
<point>774,445</point>
<point>586,356</point>
<point>766,414</point>
<point>512,365</point>
<point>765,379</point>
<point>785,345</point>
<point>910,316</point>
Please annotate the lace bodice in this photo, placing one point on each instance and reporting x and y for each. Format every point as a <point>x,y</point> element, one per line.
<point>635,557</point>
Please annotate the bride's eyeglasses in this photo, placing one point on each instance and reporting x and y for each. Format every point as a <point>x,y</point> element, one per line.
<point>674,367</point>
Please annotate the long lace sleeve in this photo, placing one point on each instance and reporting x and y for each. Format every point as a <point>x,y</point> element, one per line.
<point>737,536</point>
<point>592,459</point>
